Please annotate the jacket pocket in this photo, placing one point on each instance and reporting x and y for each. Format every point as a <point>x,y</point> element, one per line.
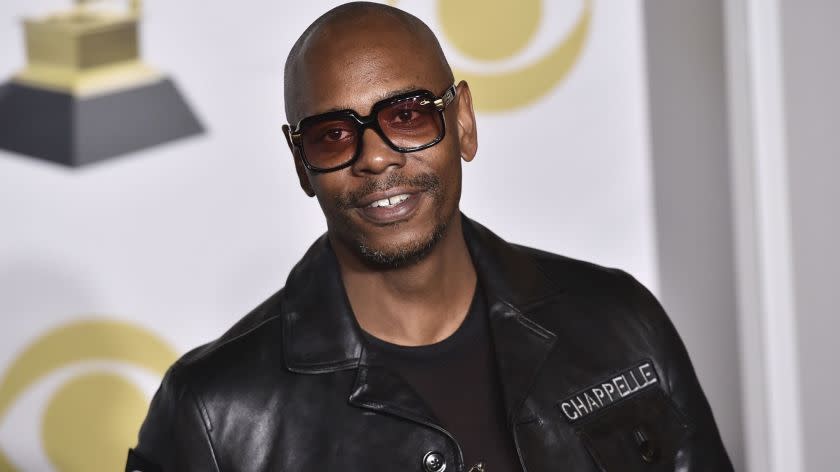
<point>643,433</point>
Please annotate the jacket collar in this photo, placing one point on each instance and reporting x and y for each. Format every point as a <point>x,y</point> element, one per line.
<point>509,273</point>
<point>322,335</point>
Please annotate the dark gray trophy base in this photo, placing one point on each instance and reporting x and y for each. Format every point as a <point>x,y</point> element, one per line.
<point>74,131</point>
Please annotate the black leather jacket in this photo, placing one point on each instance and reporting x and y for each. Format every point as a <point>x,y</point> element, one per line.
<point>594,378</point>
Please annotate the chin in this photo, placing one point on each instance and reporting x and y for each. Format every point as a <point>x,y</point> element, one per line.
<point>400,254</point>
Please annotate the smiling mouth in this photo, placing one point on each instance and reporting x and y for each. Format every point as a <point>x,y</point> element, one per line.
<point>393,199</point>
<point>393,209</point>
<point>390,202</point>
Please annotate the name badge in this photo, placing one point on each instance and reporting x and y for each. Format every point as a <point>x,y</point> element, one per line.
<point>609,391</point>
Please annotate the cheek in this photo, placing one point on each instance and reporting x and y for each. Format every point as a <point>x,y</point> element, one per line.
<point>329,184</point>
<point>327,190</point>
<point>448,170</point>
<point>453,186</point>
<point>450,173</point>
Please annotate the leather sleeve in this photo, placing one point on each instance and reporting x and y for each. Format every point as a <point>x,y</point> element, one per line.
<point>175,436</point>
<point>704,450</point>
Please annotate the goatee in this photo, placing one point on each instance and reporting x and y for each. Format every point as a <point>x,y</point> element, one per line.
<point>383,258</point>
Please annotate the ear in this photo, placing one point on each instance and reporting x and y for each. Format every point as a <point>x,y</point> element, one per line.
<point>303,177</point>
<point>467,133</point>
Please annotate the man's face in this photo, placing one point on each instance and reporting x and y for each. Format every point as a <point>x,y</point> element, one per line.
<point>423,187</point>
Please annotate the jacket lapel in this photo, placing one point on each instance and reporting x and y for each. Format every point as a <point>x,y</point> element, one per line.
<point>376,388</point>
<point>516,289</point>
<point>522,347</point>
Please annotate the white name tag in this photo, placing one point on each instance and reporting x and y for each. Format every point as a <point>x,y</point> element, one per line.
<point>609,391</point>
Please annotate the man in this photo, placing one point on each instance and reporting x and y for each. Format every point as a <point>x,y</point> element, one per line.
<point>410,337</point>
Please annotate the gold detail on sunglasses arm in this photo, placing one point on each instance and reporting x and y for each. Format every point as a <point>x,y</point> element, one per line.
<point>295,137</point>
<point>85,51</point>
<point>444,101</point>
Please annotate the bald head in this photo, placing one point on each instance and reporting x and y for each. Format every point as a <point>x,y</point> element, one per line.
<point>359,37</point>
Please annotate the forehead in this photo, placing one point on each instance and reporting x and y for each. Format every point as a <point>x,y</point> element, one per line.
<point>354,72</point>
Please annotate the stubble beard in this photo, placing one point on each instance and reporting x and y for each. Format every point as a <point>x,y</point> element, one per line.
<point>401,256</point>
<point>397,256</point>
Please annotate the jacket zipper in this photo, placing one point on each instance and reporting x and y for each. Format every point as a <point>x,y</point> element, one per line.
<point>478,467</point>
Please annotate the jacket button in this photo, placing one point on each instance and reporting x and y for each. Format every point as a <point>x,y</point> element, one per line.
<point>433,461</point>
<point>649,452</point>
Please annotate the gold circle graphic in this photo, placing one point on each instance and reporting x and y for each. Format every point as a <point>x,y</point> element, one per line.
<point>479,29</point>
<point>85,426</point>
<point>93,418</point>
<point>502,91</point>
<point>512,25</point>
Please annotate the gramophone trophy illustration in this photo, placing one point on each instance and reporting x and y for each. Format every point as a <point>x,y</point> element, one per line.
<point>85,94</point>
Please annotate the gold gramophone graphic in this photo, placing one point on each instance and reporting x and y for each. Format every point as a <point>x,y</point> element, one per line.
<point>85,94</point>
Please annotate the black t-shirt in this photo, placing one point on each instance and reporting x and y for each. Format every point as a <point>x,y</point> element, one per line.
<point>458,379</point>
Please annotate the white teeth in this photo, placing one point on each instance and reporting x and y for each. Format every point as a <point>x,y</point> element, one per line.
<point>398,199</point>
<point>389,202</point>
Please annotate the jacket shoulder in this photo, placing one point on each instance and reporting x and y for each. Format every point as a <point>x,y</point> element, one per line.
<point>178,425</point>
<point>576,275</point>
<point>256,335</point>
<point>604,297</point>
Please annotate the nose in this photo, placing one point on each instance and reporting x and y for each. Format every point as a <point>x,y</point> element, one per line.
<point>376,156</point>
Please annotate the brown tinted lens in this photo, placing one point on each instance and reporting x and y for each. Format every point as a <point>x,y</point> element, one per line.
<point>411,123</point>
<point>329,143</point>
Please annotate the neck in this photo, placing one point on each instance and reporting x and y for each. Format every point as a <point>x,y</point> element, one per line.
<point>418,304</point>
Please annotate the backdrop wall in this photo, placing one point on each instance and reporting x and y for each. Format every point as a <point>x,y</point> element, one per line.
<point>690,160</point>
<point>813,147</point>
<point>110,271</point>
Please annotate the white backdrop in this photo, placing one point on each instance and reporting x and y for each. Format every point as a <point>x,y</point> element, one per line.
<point>182,239</point>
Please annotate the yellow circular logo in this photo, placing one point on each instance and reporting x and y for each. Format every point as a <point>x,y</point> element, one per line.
<point>92,419</point>
<point>496,30</point>
<point>489,30</point>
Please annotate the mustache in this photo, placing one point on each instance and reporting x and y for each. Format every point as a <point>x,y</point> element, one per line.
<point>423,182</point>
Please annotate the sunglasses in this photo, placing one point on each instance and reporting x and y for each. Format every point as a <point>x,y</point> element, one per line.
<point>406,123</point>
